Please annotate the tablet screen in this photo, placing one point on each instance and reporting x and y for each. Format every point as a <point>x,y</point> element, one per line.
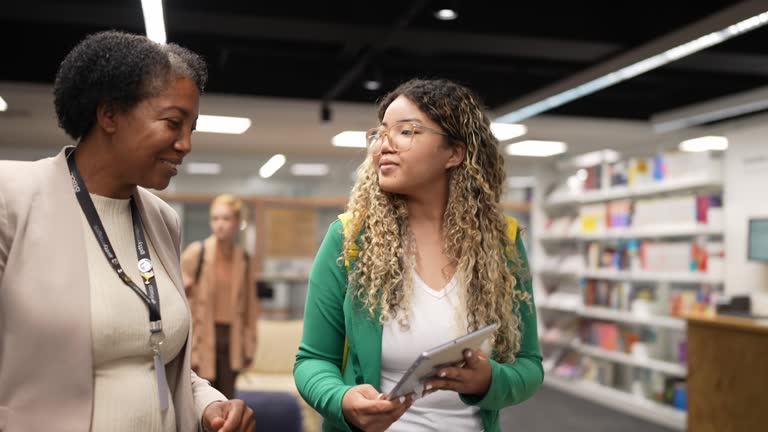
<point>451,353</point>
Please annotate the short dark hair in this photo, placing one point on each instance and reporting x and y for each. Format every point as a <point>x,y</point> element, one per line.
<point>117,68</point>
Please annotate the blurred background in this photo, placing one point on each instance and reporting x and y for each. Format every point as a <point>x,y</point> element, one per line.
<point>635,143</point>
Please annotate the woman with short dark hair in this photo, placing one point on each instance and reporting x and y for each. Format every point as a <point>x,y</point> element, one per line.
<point>95,331</point>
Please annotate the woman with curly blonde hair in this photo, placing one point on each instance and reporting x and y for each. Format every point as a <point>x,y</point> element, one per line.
<point>423,256</point>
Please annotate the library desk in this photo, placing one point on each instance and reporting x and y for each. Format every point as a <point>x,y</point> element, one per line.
<point>727,374</point>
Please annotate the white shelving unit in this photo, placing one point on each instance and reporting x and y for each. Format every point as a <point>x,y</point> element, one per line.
<point>606,314</point>
<point>621,401</point>
<point>638,276</point>
<point>559,307</point>
<point>648,276</point>
<point>661,231</point>
<point>569,272</point>
<point>668,368</point>
<point>630,318</point>
<point>654,188</point>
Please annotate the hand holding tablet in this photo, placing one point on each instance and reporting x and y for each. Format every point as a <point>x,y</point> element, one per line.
<point>449,358</point>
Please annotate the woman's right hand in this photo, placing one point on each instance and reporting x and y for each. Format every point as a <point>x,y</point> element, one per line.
<point>365,408</point>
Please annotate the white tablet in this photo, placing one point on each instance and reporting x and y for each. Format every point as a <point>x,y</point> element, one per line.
<point>429,362</point>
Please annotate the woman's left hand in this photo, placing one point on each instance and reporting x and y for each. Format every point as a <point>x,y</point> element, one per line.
<point>473,378</point>
<point>228,416</point>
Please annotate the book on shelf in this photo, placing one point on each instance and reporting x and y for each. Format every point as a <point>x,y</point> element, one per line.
<point>678,256</point>
<point>684,211</point>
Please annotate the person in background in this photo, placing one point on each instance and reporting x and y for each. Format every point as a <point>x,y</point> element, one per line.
<point>423,256</point>
<point>95,330</point>
<point>222,294</point>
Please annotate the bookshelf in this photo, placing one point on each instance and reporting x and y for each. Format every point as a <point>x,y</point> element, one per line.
<point>687,183</point>
<point>630,318</point>
<point>618,259</point>
<point>620,400</point>
<point>638,276</point>
<point>658,231</point>
<point>669,368</point>
<point>606,314</point>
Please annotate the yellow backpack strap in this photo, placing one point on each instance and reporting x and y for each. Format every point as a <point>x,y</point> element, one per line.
<point>353,249</point>
<point>511,228</point>
<point>344,218</point>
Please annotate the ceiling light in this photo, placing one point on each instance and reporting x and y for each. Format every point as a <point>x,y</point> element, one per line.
<point>521,182</point>
<point>272,165</point>
<point>222,124</point>
<point>205,168</point>
<point>349,139</point>
<point>309,169</point>
<point>705,143</point>
<point>507,131</point>
<point>634,69</point>
<point>372,84</point>
<point>446,14</point>
<point>536,148</point>
<point>373,79</point>
<point>154,22</point>
<point>3,104</point>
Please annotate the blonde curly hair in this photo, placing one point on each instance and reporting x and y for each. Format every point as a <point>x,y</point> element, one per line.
<point>474,227</point>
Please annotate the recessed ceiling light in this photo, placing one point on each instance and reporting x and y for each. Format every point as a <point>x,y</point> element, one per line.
<point>222,124</point>
<point>536,148</point>
<point>372,85</point>
<point>309,169</point>
<point>705,143</point>
<point>507,131</point>
<point>349,139</point>
<point>272,165</point>
<point>3,104</point>
<point>205,168</point>
<point>446,14</point>
<point>154,22</point>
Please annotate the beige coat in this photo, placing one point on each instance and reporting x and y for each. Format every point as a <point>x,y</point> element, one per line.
<point>201,299</point>
<point>46,362</point>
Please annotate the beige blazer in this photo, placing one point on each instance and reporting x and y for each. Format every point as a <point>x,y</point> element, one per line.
<point>46,364</point>
<point>242,335</point>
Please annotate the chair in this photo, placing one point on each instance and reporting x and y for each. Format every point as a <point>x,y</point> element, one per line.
<point>269,384</point>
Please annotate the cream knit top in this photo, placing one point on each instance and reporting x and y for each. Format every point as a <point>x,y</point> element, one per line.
<point>125,388</point>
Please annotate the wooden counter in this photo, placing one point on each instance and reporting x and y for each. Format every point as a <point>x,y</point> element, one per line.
<point>727,374</point>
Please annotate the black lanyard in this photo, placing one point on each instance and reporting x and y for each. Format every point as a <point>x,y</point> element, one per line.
<point>150,297</point>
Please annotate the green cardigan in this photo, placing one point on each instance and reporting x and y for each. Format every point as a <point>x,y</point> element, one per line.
<point>331,314</point>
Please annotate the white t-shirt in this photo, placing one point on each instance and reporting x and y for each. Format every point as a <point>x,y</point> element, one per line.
<point>433,319</point>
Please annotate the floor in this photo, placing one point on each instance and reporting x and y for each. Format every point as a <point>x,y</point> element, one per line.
<point>553,411</point>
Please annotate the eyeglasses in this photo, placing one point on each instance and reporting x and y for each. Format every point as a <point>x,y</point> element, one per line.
<point>400,135</point>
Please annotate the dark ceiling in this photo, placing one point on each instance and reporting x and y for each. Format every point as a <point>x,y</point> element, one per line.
<point>324,50</point>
